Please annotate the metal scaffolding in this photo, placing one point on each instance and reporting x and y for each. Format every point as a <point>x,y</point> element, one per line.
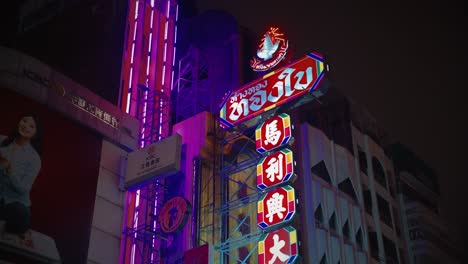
<point>192,85</point>
<point>239,196</point>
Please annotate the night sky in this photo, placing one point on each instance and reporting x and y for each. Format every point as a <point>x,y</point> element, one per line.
<point>405,61</point>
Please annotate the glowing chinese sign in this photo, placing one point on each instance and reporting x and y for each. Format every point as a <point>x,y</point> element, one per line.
<point>97,112</point>
<point>276,207</point>
<point>271,51</point>
<point>272,90</point>
<point>273,133</point>
<point>279,246</point>
<point>275,169</point>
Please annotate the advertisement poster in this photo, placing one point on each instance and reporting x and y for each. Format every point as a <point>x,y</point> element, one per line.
<point>49,167</point>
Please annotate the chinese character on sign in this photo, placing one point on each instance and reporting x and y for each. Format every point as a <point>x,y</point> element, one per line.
<point>275,250</point>
<point>107,117</point>
<point>98,112</point>
<point>81,102</point>
<point>275,207</point>
<point>279,246</point>
<point>273,133</point>
<point>275,169</point>
<point>114,122</point>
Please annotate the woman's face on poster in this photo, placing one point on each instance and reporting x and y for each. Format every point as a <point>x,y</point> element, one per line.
<point>27,127</point>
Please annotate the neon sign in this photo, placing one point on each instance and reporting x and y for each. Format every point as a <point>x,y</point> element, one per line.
<point>272,90</point>
<point>279,246</point>
<point>93,110</point>
<point>276,207</point>
<point>174,215</point>
<point>275,169</point>
<point>273,133</point>
<point>271,51</point>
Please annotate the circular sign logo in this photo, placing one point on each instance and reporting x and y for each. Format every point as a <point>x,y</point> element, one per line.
<point>174,215</point>
<point>271,50</point>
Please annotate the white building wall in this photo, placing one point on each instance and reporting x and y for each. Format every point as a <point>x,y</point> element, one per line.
<point>106,229</point>
<point>340,164</point>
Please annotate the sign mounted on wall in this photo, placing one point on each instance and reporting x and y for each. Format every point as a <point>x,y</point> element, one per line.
<point>276,207</point>
<point>279,246</point>
<point>174,215</point>
<point>273,133</point>
<point>272,50</point>
<point>272,90</point>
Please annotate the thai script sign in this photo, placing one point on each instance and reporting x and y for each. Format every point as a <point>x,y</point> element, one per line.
<point>276,207</point>
<point>275,169</point>
<point>272,90</point>
<point>273,133</point>
<point>279,246</point>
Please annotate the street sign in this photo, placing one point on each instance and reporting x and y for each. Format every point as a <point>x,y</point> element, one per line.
<point>276,207</point>
<point>275,169</point>
<point>273,89</point>
<point>273,133</point>
<point>279,246</point>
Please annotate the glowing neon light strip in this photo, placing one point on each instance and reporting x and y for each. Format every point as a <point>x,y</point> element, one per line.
<point>168,8</point>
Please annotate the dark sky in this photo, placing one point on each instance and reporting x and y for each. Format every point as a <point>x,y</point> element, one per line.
<point>404,61</point>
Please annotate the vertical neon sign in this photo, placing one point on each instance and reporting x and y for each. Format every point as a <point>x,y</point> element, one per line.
<point>147,66</point>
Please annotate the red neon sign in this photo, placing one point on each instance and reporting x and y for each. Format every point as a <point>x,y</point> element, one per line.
<point>272,90</point>
<point>273,133</point>
<point>279,246</point>
<point>275,169</point>
<point>276,207</point>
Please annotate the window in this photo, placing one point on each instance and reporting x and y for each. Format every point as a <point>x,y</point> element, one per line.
<point>362,161</point>
<point>373,245</point>
<point>318,216</point>
<point>347,187</point>
<point>384,211</point>
<point>396,220</point>
<point>323,260</point>
<point>359,238</point>
<point>332,222</point>
<point>379,173</point>
<point>345,231</point>
<point>320,169</point>
<point>391,256</point>
<point>367,200</point>
<point>391,184</point>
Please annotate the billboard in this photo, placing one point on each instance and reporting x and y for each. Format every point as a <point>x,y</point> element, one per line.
<point>272,90</point>
<point>158,159</point>
<point>49,172</point>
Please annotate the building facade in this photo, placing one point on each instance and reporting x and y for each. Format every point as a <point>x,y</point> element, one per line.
<point>77,199</point>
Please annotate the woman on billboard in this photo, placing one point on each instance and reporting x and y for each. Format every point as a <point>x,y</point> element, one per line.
<point>19,166</point>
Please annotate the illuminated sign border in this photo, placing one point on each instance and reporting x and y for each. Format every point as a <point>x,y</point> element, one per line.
<point>287,133</point>
<point>291,203</point>
<point>289,169</point>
